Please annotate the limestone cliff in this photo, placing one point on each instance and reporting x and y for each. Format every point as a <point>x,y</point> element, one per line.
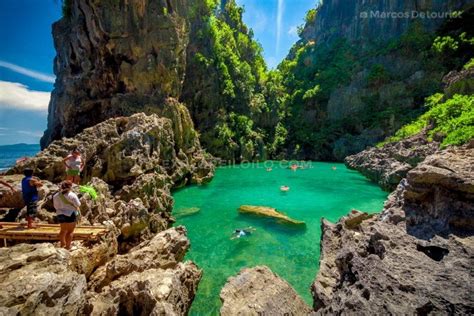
<point>363,21</point>
<point>115,58</point>
<point>362,69</point>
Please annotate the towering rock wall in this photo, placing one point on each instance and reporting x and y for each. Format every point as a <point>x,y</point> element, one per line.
<point>362,20</point>
<point>115,58</point>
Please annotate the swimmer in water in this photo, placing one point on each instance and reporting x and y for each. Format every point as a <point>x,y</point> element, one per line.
<point>242,232</point>
<point>333,168</point>
<point>269,169</point>
<point>284,188</point>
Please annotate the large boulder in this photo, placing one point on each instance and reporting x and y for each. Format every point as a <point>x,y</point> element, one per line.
<point>11,198</point>
<point>259,291</point>
<point>164,251</point>
<point>149,280</point>
<point>153,292</point>
<point>439,197</point>
<point>413,258</point>
<point>36,280</point>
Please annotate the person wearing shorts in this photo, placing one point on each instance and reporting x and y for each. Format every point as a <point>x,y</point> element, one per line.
<point>74,165</point>
<point>29,189</point>
<point>67,206</point>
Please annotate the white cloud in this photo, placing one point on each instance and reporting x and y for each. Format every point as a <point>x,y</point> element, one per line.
<point>293,31</point>
<point>28,72</point>
<point>14,95</point>
<point>4,128</point>
<point>31,133</point>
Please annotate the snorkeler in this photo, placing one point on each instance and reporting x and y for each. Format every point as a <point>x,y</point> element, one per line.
<point>242,232</point>
<point>284,188</point>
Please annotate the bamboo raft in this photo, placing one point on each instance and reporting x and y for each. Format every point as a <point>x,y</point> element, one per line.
<point>18,231</point>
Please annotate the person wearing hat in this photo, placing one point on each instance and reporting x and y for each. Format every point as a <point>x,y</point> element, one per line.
<point>67,206</point>
<point>74,165</point>
<point>29,189</point>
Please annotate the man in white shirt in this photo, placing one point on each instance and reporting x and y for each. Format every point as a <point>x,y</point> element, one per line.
<point>67,206</point>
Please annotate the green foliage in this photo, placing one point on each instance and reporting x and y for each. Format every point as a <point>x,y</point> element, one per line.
<point>311,93</point>
<point>378,75</point>
<point>311,16</point>
<point>452,120</point>
<point>415,39</point>
<point>442,44</point>
<point>230,75</point>
<point>469,64</point>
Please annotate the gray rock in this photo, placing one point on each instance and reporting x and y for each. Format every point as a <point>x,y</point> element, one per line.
<point>259,291</point>
<point>389,164</point>
<point>36,280</point>
<point>152,292</point>
<point>165,250</point>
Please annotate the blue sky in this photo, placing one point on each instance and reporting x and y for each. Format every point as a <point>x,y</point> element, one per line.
<point>27,54</point>
<point>274,23</point>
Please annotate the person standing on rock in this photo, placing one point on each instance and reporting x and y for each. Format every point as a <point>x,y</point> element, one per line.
<point>74,165</point>
<point>67,206</point>
<point>29,188</point>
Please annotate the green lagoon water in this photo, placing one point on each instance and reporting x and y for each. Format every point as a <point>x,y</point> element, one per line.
<point>292,253</point>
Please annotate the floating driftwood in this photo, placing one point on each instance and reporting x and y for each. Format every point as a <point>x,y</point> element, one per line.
<point>188,211</point>
<point>268,212</point>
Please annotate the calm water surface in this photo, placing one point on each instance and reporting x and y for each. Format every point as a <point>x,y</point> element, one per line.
<point>293,253</point>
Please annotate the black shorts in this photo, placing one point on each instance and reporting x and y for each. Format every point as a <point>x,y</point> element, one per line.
<point>66,219</point>
<point>31,208</point>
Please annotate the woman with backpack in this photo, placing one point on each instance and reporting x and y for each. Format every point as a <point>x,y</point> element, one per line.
<point>67,206</point>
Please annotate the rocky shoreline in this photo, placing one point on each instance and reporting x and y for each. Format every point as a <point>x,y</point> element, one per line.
<point>388,165</point>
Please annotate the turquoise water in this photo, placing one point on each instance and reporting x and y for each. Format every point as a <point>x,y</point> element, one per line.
<point>293,253</point>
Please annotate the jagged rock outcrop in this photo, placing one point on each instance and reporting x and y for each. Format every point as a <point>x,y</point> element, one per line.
<point>133,162</point>
<point>413,258</point>
<point>115,59</point>
<point>389,164</point>
<point>36,280</point>
<point>40,279</point>
<point>155,292</point>
<point>150,279</point>
<point>439,194</point>
<point>259,291</point>
<point>460,82</point>
<point>165,250</point>
<point>119,150</point>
